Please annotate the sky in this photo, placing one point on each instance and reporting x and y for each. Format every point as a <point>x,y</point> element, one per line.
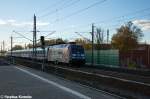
<point>63,18</point>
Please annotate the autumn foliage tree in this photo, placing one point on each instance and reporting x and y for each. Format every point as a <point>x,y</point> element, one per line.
<point>17,47</point>
<point>85,43</point>
<point>127,37</point>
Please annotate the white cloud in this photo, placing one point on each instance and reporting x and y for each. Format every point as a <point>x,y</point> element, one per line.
<point>42,23</point>
<point>15,23</point>
<point>144,24</point>
<point>2,22</point>
<point>11,21</point>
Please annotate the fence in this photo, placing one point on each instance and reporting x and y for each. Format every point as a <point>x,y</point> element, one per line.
<point>105,57</point>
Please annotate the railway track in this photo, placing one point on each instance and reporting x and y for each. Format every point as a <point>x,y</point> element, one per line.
<point>125,76</point>
<point>118,75</point>
<point>87,75</point>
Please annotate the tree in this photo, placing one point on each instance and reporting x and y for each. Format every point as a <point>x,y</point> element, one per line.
<point>84,42</point>
<point>29,46</point>
<point>17,47</point>
<point>60,41</point>
<point>99,38</point>
<point>81,41</point>
<point>55,41</point>
<point>127,37</point>
<point>50,42</point>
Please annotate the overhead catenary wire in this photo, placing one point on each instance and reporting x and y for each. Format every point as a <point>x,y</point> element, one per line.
<point>114,18</point>
<point>60,8</point>
<point>50,33</point>
<point>83,36</point>
<point>122,16</point>
<point>22,35</point>
<point>80,10</point>
<point>62,4</point>
<point>131,19</point>
<point>114,25</point>
<point>47,35</point>
<point>51,6</point>
<point>117,17</point>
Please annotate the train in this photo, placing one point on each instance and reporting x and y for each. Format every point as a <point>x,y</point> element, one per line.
<point>61,53</point>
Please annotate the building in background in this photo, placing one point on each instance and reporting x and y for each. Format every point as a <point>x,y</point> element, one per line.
<point>139,57</point>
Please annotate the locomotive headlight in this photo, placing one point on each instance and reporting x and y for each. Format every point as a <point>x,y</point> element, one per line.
<point>82,55</point>
<point>74,55</point>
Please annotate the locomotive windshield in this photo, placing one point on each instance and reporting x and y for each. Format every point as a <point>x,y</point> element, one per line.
<point>77,49</point>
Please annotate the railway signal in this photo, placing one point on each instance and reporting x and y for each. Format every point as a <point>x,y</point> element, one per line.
<point>42,42</point>
<point>43,47</point>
